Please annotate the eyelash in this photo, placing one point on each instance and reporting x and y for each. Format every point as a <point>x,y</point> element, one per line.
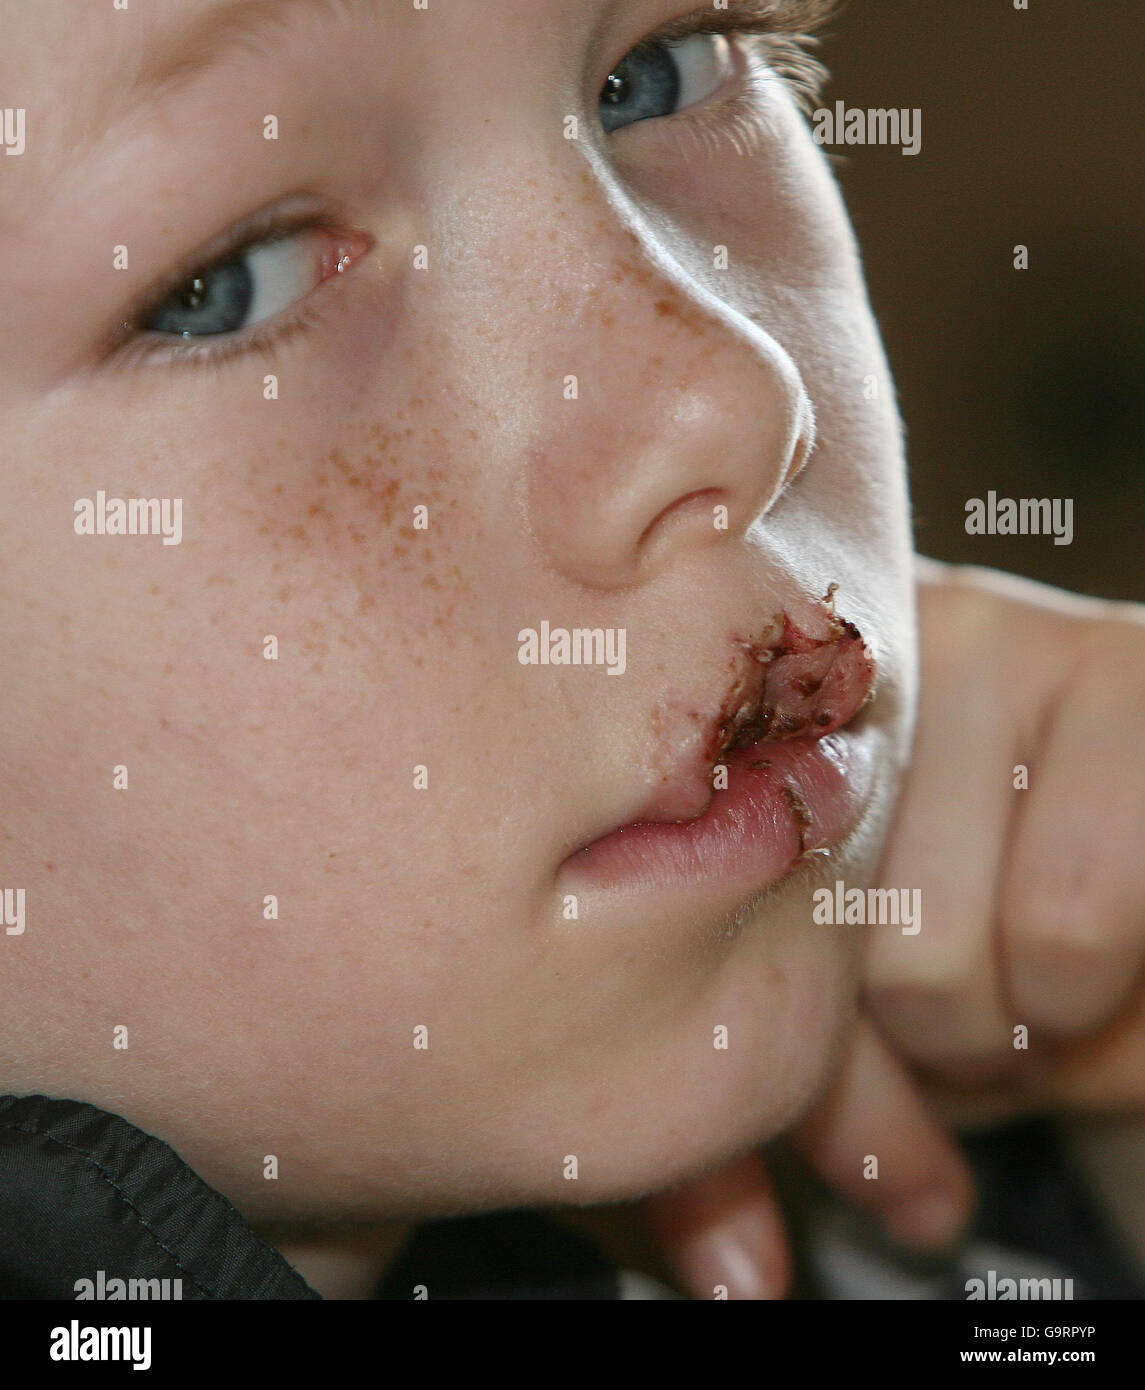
<point>782,31</point>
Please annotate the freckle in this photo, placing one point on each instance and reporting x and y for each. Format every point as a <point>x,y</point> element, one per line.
<point>284,593</point>
<point>168,670</point>
<point>153,589</point>
<point>50,867</point>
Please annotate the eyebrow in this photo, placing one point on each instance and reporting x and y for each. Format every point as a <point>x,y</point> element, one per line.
<point>187,52</point>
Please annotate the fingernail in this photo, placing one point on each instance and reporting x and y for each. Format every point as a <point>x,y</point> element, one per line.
<point>930,1219</point>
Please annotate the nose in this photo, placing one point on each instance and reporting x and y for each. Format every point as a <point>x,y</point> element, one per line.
<point>676,422</point>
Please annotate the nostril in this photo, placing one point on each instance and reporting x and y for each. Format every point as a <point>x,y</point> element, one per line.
<point>692,506</point>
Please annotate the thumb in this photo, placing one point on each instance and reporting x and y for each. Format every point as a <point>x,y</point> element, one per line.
<point>724,1229</point>
<point>874,1139</point>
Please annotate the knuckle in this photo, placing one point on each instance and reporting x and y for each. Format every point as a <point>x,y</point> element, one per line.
<point>1070,927</point>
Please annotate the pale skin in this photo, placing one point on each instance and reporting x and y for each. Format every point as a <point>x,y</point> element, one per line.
<point>444,388</point>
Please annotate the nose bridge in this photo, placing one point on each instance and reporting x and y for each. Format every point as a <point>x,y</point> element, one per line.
<point>661,403</point>
<point>638,402</point>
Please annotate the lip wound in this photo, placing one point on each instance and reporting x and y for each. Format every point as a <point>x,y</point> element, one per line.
<point>797,685</point>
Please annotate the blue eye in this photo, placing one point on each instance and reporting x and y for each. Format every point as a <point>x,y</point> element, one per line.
<point>215,301</point>
<point>658,78</point>
<point>259,281</point>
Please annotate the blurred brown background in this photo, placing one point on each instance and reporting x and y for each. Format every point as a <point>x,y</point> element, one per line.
<point>1025,382</point>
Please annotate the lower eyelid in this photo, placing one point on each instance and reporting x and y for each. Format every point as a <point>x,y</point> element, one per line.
<point>739,121</point>
<point>260,339</point>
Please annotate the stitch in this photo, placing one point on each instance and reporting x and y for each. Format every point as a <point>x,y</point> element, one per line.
<point>106,1175</point>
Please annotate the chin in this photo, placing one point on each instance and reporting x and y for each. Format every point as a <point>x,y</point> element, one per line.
<point>788,999</point>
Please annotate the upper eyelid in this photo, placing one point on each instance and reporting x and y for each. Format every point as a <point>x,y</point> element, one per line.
<point>751,17</point>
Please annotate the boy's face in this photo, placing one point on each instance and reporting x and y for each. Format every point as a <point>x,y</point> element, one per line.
<point>435,379</point>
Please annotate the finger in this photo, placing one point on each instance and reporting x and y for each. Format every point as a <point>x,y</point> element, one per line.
<point>1101,1074</point>
<point>875,1141</point>
<point>724,1229</point>
<point>1073,897</point>
<point>1104,1073</point>
<point>937,994</point>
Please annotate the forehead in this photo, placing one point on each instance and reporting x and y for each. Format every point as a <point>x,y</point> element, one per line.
<point>80,66</point>
<point>85,72</point>
<point>75,64</point>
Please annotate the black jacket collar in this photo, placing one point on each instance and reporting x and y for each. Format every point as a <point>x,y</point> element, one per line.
<point>84,1191</point>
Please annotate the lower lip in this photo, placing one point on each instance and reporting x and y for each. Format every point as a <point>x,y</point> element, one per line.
<point>757,830</point>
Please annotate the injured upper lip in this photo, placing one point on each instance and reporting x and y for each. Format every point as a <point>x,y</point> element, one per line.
<point>796,685</point>
<point>787,683</point>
